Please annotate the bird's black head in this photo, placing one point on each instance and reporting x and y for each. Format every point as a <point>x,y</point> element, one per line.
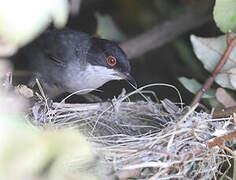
<point>109,55</point>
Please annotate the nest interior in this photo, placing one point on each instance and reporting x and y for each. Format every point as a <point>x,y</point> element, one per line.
<point>144,139</point>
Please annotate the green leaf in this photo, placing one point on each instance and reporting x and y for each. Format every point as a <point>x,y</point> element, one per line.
<point>209,51</point>
<point>186,54</point>
<point>21,21</point>
<point>225,15</point>
<point>193,86</point>
<point>232,76</point>
<point>108,29</point>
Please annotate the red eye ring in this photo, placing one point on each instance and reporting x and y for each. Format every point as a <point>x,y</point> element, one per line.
<point>111,61</point>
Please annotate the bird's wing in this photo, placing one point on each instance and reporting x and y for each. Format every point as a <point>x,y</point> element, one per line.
<point>56,60</point>
<point>65,46</point>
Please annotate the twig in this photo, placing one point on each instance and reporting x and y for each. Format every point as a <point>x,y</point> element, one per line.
<point>126,174</point>
<point>157,151</point>
<point>228,38</point>
<point>228,150</point>
<point>234,170</point>
<point>189,18</point>
<point>217,69</point>
<point>219,141</point>
<point>234,120</point>
<point>223,113</point>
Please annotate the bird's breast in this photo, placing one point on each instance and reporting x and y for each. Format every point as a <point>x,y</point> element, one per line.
<point>87,79</point>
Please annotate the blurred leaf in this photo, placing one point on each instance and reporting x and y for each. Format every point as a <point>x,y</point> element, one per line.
<point>232,76</point>
<point>146,17</point>
<point>21,21</point>
<point>185,52</point>
<point>193,86</point>
<point>187,56</point>
<point>36,154</point>
<point>128,13</point>
<point>6,49</point>
<point>209,51</point>
<point>213,102</point>
<point>108,29</point>
<point>60,12</point>
<point>224,98</point>
<point>225,15</point>
<point>45,155</point>
<point>5,69</point>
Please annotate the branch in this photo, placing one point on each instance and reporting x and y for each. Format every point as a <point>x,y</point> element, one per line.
<point>221,63</point>
<point>190,17</point>
<point>223,113</point>
<point>220,141</point>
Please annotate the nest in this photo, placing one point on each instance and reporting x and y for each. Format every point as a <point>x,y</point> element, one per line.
<point>144,140</point>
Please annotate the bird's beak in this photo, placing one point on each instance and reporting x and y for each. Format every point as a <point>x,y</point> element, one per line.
<point>130,79</point>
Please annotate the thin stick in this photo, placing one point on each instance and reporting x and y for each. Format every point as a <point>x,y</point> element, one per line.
<point>228,38</point>
<point>234,170</point>
<point>223,113</point>
<point>217,69</point>
<point>219,141</point>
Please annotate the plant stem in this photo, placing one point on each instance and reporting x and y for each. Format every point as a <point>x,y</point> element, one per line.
<point>221,63</point>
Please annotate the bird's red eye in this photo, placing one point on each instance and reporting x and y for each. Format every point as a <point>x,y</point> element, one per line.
<point>111,61</point>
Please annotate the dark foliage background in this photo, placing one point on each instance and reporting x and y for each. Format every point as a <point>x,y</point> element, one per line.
<point>172,58</point>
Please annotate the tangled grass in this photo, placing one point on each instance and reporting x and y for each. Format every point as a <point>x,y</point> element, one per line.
<point>144,140</point>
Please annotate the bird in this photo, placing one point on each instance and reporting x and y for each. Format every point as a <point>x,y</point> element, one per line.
<point>71,61</point>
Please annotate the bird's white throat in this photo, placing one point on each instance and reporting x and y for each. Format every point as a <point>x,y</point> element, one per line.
<point>92,77</point>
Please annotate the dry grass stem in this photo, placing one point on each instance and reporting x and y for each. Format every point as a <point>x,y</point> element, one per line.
<point>144,140</point>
